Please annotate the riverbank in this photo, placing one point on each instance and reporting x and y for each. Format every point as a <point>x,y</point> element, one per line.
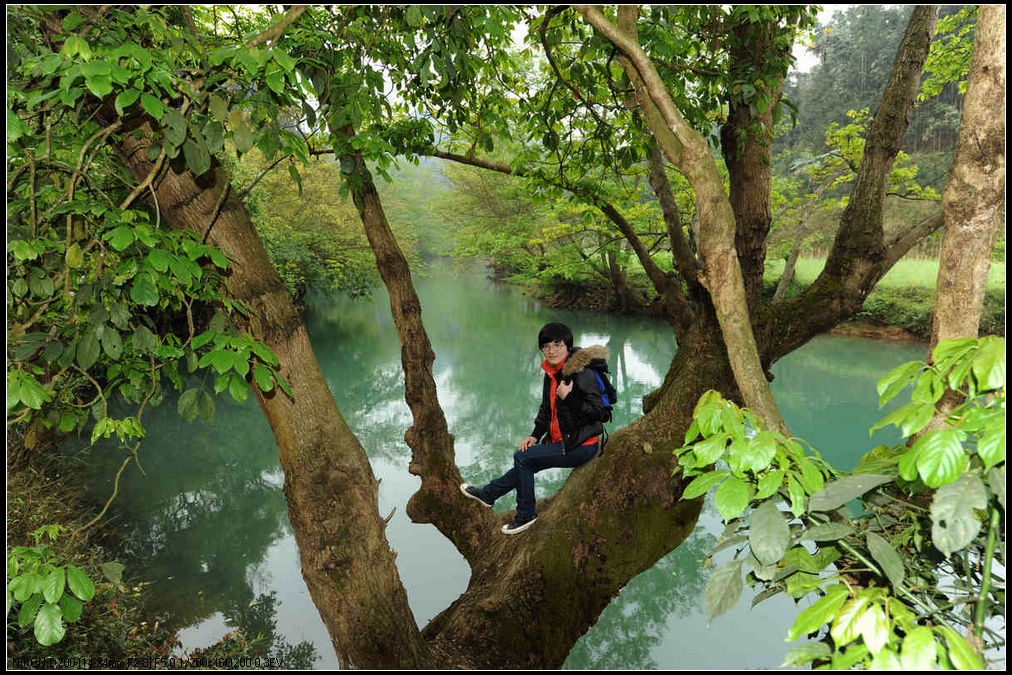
<point>891,311</point>
<point>47,505</point>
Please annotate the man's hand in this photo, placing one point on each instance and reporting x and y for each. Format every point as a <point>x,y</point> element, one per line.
<point>563,389</point>
<point>526,443</point>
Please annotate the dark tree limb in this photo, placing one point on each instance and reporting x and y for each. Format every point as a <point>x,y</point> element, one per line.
<point>859,257</point>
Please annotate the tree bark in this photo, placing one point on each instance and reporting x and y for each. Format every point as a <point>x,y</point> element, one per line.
<point>332,493</point>
<point>973,199</point>
<point>974,196</point>
<point>747,143</point>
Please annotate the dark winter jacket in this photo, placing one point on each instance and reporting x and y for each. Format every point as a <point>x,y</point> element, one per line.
<point>579,414</point>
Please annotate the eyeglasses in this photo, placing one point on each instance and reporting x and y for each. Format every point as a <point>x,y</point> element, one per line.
<point>557,344</point>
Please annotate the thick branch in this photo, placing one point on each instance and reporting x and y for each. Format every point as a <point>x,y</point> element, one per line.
<point>689,152</point>
<point>439,500</point>
<point>859,257</point>
<point>681,252</point>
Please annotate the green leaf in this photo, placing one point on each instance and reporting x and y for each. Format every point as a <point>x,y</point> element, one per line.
<point>702,484</point>
<point>143,291</point>
<point>806,653</point>
<point>886,556</point>
<point>99,85</point>
<point>144,341</point>
<point>152,106</point>
<point>989,365</point>
<point>263,377</point>
<point>125,99</point>
<point>112,343</point>
<point>187,406</point>
<point>819,614</point>
<point>885,659</point>
<point>768,534</point>
<point>80,583</point>
<point>72,21</point>
<point>49,628</point>
<point>947,352</point>
<point>769,484</point>
<point>74,256</point>
<point>798,496</point>
<point>174,127</point>
<point>960,652</point>
<point>919,649</point>
<point>732,497</point>
<point>413,16</point>
<point>711,449</point>
<point>841,491</point>
<point>113,571</point>
<point>198,159</point>
<point>29,608</point>
<point>940,456</point>
<point>846,627</point>
<point>242,136</point>
<point>71,608</point>
<point>275,78</point>
<point>205,402</point>
<point>238,388</point>
<point>218,108</point>
<point>896,380</point>
<point>214,136</point>
<point>723,589</point>
<point>159,259</point>
<point>991,446</point>
<point>53,585</point>
<point>919,416</point>
<point>953,524</point>
<point>811,477</point>
<point>826,532</point>
<point>87,350</point>
<point>996,480</point>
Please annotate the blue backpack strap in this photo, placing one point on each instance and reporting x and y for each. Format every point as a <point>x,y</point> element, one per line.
<point>600,385</point>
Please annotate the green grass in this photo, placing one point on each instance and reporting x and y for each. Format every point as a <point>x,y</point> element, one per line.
<point>904,274</point>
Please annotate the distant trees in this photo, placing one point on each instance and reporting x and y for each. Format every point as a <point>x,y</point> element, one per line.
<point>855,48</point>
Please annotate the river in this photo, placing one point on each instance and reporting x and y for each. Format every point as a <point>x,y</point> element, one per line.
<point>205,521</point>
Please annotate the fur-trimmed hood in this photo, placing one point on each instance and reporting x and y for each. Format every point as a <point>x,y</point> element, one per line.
<point>580,358</point>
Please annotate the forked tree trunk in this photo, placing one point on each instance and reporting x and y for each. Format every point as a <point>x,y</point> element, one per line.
<point>531,597</point>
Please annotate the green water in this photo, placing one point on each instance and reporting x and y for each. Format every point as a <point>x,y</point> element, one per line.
<point>206,521</point>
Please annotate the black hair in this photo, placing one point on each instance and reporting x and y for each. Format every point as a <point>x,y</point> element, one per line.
<point>555,331</point>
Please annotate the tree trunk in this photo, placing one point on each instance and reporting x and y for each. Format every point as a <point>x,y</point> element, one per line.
<point>973,200</point>
<point>332,493</point>
<point>748,155</point>
<point>974,196</point>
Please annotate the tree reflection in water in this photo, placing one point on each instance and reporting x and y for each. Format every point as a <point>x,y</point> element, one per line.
<point>198,523</point>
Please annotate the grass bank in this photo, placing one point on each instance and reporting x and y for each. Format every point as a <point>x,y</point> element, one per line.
<point>900,306</point>
<point>904,299</point>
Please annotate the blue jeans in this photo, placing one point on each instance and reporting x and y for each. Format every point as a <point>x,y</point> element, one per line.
<point>527,463</point>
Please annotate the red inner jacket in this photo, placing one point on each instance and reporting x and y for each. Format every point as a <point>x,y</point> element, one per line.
<point>554,433</point>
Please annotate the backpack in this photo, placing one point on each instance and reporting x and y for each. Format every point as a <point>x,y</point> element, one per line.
<point>608,394</point>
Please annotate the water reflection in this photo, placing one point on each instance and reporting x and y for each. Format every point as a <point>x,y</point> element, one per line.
<point>207,519</point>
